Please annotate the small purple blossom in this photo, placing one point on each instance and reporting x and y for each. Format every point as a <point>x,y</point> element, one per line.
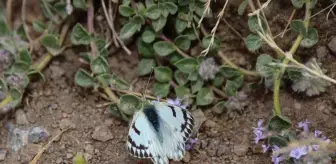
<point>317,133</point>
<point>275,148</point>
<point>297,153</point>
<point>259,131</point>
<point>190,143</point>
<point>177,102</point>
<point>265,148</point>
<point>277,160</point>
<point>315,147</point>
<point>304,125</point>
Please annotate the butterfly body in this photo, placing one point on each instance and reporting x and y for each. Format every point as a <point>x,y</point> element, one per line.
<point>159,131</point>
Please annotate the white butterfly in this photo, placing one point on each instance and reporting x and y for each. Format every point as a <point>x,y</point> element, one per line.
<point>159,131</point>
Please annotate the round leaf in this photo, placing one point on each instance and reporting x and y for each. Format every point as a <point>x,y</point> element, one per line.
<point>99,65</point>
<point>126,11</point>
<point>204,97</point>
<point>119,83</point>
<point>279,123</point>
<point>145,49</point>
<point>79,35</point>
<point>196,85</point>
<point>145,66</point>
<point>180,77</point>
<point>277,140</point>
<point>180,25</point>
<point>206,41</point>
<point>310,39</point>
<point>183,42</point>
<point>161,89</point>
<point>253,42</point>
<point>84,79</point>
<point>171,7</point>
<point>52,43</point>
<point>163,48</point>
<point>299,27</point>
<point>129,104</point>
<point>158,24</point>
<point>163,74</point>
<point>153,12</point>
<point>19,67</point>
<point>187,65</point>
<point>129,29</point>
<point>148,36</point>
<point>262,65</point>
<point>182,92</point>
<point>298,3</point>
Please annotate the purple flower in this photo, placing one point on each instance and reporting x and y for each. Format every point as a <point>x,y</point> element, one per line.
<point>157,100</point>
<point>275,148</point>
<point>316,147</point>
<point>265,148</point>
<point>191,142</point>
<point>317,133</point>
<point>277,160</point>
<point>177,102</point>
<point>297,153</point>
<point>304,125</point>
<point>259,131</point>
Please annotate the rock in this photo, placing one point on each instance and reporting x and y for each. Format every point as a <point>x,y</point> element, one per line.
<point>21,118</point>
<point>240,150</point>
<point>212,148</point>
<point>66,123</point>
<point>53,106</point>
<point>88,156</point>
<point>59,161</point>
<point>222,149</point>
<point>89,148</point>
<point>69,155</point>
<point>102,133</point>
<point>210,124</point>
<point>332,44</point>
<point>297,105</point>
<point>57,72</point>
<point>199,119</point>
<point>186,157</point>
<point>31,116</point>
<point>321,51</point>
<point>3,154</point>
<point>28,152</point>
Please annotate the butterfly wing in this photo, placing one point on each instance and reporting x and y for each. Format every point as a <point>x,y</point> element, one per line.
<point>140,137</point>
<point>177,127</point>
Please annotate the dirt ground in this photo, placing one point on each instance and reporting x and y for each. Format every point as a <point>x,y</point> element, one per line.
<point>58,103</point>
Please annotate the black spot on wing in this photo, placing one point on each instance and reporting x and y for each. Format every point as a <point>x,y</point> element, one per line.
<point>173,110</point>
<point>187,125</point>
<point>139,151</point>
<point>137,131</point>
<point>152,116</point>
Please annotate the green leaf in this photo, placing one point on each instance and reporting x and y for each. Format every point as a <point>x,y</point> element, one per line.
<point>279,123</point>
<point>196,85</point>
<point>219,108</point>
<point>80,35</point>
<point>161,89</point>
<point>171,7</point>
<point>253,42</point>
<point>218,81</point>
<point>183,42</point>
<point>187,65</point>
<point>126,2</point>
<point>180,25</point>
<point>310,39</point>
<point>99,65</point>
<point>79,159</point>
<point>254,25</point>
<point>129,104</point>
<point>20,67</point>
<point>174,57</point>
<point>16,96</point>
<point>145,66</point>
<point>242,7</point>
<point>52,43</point>
<point>182,92</point>
<point>277,140</point>
<point>145,49</point>
<point>299,27</point>
<point>118,83</point>
<point>158,24</point>
<point>114,109</point>
<point>163,48</point>
<point>229,72</point>
<point>25,56</point>
<point>193,76</point>
<point>262,65</point>
<point>153,12</point>
<point>4,30</point>
<point>126,11</point>
<point>129,29</point>
<point>138,19</point>
<point>313,3</point>
<point>163,10</point>
<point>104,79</point>
<point>84,79</point>
<point>163,74</point>
<point>204,97</point>
<point>231,88</point>
<point>60,7</point>
<point>81,4</point>
<point>193,35</point>
<point>298,3</point>
<point>86,56</point>
<point>180,77</point>
<point>39,26</point>
<point>148,36</point>
<point>206,41</point>
<point>3,86</point>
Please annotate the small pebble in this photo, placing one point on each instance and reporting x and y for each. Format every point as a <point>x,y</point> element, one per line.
<point>240,150</point>
<point>21,118</point>
<point>102,133</point>
<point>69,155</point>
<point>332,44</point>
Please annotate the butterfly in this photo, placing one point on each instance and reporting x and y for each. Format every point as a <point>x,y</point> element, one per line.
<point>159,131</point>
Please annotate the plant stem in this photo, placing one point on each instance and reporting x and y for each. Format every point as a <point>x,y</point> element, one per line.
<point>6,101</point>
<point>175,47</point>
<point>279,73</point>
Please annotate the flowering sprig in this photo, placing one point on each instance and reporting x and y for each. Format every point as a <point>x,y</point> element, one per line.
<point>177,102</point>
<point>190,143</point>
<point>259,131</point>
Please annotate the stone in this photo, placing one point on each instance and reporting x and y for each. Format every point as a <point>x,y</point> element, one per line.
<point>102,133</point>
<point>240,150</point>
<point>21,118</point>
<point>210,124</point>
<point>59,161</point>
<point>222,149</point>
<point>66,123</point>
<point>332,44</point>
<point>321,51</point>
<point>3,154</point>
<point>69,155</point>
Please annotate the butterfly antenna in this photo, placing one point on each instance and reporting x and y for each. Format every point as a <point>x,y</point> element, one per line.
<point>150,76</point>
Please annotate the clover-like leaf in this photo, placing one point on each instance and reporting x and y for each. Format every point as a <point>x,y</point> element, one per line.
<point>16,96</point>
<point>104,79</point>
<point>279,123</point>
<point>145,49</point>
<point>215,42</point>
<point>153,12</point>
<point>196,85</point>
<point>187,65</point>
<point>171,7</point>
<point>119,83</point>
<point>99,65</point>
<point>193,76</point>
<point>81,4</point>
<point>310,39</point>
<point>148,36</point>
<point>145,66</point>
<point>183,42</point>
<point>180,25</point>
<point>204,97</point>
<point>229,72</point>
<point>163,74</point>
<point>129,104</point>
<point>24,56</point>
<point>20,67</point>
<point>218,81</point>
<point>39,26</point>
<point>129,29</point>
<point>84,79</point>
<point>262,65</point>
<point>180,77</point>
<point>116,112</point>
<point>163,48</point>
<point>232,86</point>
<point>277,140</point>
<point>161,89</point>
<point>253,42</point>
<point>242,7</point>
<point>61,8</point>
<point>80,35</point>
<point>52,43</point>
<point>299,27</point>
<point>298,3</point>
<point>182,92</point>
<point>158,24</point>
<point>4,30</point>
<point>126,11</point>
<point>254,24</point>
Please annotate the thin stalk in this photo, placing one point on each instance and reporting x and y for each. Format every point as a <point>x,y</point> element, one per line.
<point>175,47</point>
